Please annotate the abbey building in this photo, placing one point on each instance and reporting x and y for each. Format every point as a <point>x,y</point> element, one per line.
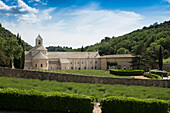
<point>39,58</point>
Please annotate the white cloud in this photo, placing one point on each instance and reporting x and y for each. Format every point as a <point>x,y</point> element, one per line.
<point>77,27</point>
<point>20,8</point>
<point>167,1</point>
<point>3,6</point>
<point>24,7</point>
<point>26,13</point>
<point>44,2</point>
<point>45,15</point>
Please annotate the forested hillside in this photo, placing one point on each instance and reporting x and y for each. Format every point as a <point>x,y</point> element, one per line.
<point>145,42</point>
<point>136,41</point>
<point>12,49</point>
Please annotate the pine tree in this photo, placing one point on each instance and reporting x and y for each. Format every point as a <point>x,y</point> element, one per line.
<point>160,58</point>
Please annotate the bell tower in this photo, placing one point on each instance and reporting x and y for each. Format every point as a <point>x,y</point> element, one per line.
<point>39,41</point>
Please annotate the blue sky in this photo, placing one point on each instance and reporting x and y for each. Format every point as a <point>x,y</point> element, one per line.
<point>77,23</point>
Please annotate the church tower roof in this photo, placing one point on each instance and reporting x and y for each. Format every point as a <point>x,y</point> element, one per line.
<point>39,37</point>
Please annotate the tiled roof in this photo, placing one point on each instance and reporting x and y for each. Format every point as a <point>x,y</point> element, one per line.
<point>64,61</point>
<point>41,47</point>
<point>39,37</point>
<point>28,55</point>
<point>118,56</point>
<point>40,55</point>
<point>66,55</point>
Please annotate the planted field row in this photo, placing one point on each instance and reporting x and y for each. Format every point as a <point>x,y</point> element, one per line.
<point>99,91</point>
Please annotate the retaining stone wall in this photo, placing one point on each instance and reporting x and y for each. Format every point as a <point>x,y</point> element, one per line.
<point>18,73</point>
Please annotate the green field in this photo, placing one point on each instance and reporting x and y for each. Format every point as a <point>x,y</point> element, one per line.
<point>97,90</point>
<point>103,73</point>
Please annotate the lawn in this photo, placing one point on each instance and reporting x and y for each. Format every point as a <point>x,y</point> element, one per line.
<point>103,73</point>
<point>97,90</point>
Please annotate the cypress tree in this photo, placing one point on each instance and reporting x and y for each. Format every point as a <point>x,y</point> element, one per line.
<point>23,57</point>
<point>160,58</point>
<point>17,61</point>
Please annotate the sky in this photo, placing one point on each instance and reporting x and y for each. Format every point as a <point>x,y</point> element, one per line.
<point>77,23</point>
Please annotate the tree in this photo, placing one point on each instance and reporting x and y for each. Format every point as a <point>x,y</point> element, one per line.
<point>82,49</point>
<point>160,58</point>
<point>13,50</point>
<point>23,57</point>
<point>123,51</point>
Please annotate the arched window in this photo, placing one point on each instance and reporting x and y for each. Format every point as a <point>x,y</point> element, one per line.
<point>39,42</point>
<point>41,65</point>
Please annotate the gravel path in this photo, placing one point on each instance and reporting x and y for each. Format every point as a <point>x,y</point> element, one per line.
<point>97,108</point>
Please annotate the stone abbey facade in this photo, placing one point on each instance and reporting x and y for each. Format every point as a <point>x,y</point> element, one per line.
<point>39,58</point>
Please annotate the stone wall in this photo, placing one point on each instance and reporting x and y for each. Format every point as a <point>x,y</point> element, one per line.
<point>18,73</point>
<point>166,67</point>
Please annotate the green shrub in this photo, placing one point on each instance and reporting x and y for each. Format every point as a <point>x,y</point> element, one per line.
<point>153,76</point>
<point>159,72</point>
<point>32,100</point>
<point>115,104</point>
<point>126,72</point>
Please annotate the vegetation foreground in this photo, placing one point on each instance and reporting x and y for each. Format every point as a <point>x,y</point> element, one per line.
<point>99,91</point>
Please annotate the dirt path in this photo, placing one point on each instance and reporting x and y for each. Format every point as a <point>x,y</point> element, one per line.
<point>97,108</point>
<point>140,77</point>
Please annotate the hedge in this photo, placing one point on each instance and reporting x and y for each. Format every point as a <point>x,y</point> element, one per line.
<point>159,72</point>
<point>115,104</point>
<point>126,72</point>
<point>153,76</point>
<point>32,100</point>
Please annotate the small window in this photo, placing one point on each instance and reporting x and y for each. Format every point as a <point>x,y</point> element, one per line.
<point>96,62</point>
<point>39,42</point>
<point>46,64</point>
<point>84,67</point>
<point>71,62</point>
<point>35,65</point>
<point>95,67</point>
<point>41,65</point>
<point>91,67</point>
<point>71,67</point>
<point>82,62</point>
<point>78,62</point>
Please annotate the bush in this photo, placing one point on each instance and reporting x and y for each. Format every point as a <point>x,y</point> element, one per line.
<point>133,105</point>
<point>153,76</point>
<point>32,100</point>
<point>159,72</point>
<point>126,72</point>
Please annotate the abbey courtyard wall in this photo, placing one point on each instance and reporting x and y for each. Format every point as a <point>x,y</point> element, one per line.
<point>18,73</point>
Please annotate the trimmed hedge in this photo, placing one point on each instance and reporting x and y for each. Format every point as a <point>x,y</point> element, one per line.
<point>32,100</point>
<point>126,72</point>
<point>153,76</point>
<point>115,104</point>
<point>159,72</point>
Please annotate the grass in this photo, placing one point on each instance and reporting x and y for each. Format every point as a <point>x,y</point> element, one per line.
<point>99,91</point>
<point>101,73</point>
<point>166,61</point>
